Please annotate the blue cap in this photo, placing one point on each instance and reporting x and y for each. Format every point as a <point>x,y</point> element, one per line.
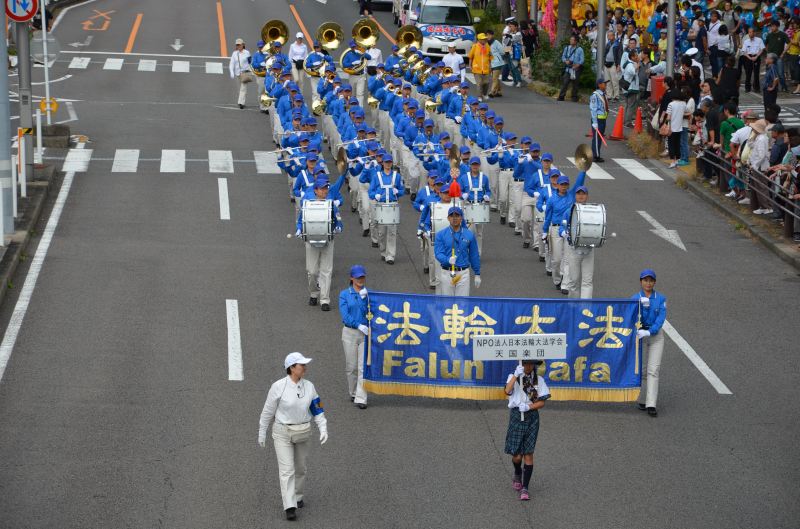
<point>474,101</point>
<point>312,157</point>
<point>464,149</point>
<point>498,120</point>
<point>447,145</point>
<point>427,61</point>
<point>317,44</point>
<point>395,47</point>
<point>433,173</point>
<point>439,64</point>
<point>347,87</point>
<point>337,79</point>
<point>535,147</point>
<point>260,44</point>
<point>647,272</point>
<point>413,104</point>
<point>321,171</point>
<point>419,114</point>
<point>381,152</point>
<point>358,271</point>
<point>320,183</point>
<point>455,210</point>
<point>600,81</point>
<point>354,101</point>
<point>412,49</point>
<point>443,135</point>
<point>287,70</point>
<point>407,85</point>
<point>508,135</point>
<point>490,114</point>
<point>554,172</point>
<point>276,66</point>
<point>581,189</point>
<point>276,44</point>
<point>361,128</point>
<point>388,157</point>
<point>298,97</point>
<point>381,66</point>
<point>547,156</point>
<point>372,145</point>
<point>427,122</point>
<point>526,139</point>
<point>371,130</point>
<point>360,114</point>
<point>474,160</point>
<point>563,179</point>
<point>304,137</point>
<point>352,43</point>
<point>483,106</point>
<point>464,85</point>
<point>311,120</point>
<point>440,181</point>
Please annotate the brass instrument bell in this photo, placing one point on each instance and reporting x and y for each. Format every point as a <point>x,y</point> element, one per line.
<point>274,30</point>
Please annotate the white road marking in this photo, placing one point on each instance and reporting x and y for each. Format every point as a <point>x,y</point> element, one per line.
<point>671,236</point>
<point>77,160</point>
<point>79,63</point>
<point>125,161</point>
<point>147,65</point>
<point>224,205</point>
<point>173,161</point>
<point>470,77</point>
<point>234,341</point>
<point>214,67</point>
<point>181,66</point>
<point>84,52</point>
<point>113,64</point>
<point>595,172</point>
<point>62,78</point>
<point>220,162</point>
<point>637,169</point>
<point>266,162</point>
<point>176,45</point>
<point>24,300</point>
<point>694,358</point>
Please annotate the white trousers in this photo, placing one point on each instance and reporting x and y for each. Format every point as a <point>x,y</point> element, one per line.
<point>319,268</point>
<point>277,127</point>
<point>556,243</point>
<point>652,351</point>
<point>446,286</point>
<point>291,448</point>
<point>386,235</point>
<point>493,172</point>
<point>353,342</point>
<point>413,169</point>
<point>515,198</point>
<point>537,236</point>
<point>364,206</point>
<point>359,84</point>
<point>477,229</point>
<point>580,279</point>
<point>504,190</point>
<point>432,264</point>
<point>261,91</point>
<point>528,203</point>
<point>242,91</point>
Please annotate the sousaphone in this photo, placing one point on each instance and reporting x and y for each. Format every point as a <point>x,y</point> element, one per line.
<point>274,30</point>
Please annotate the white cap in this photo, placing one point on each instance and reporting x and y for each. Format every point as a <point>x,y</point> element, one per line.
<point>691,52</point>
<point>295,358</point>
<point>239,41</point>
<point>299,35</point>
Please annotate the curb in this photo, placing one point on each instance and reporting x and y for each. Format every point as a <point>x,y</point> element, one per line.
<point>783,250</point>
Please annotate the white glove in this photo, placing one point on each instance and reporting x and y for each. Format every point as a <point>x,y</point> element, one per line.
<point>452,260</point>
<point>544,236</point>
<point>645,301</point>
<point>262,442</point>
<point>465,196</point>
<point>524,407</point>
<point>486,198</point>
<point>298,233</point>
<point>363,328</point>
<point>536,194</point>
<point>564,234</point>
<point>544,208</point>
<point>337,229</point>
<point>594,125</point>
<point>642,333</point>
<point>323,437</point>
<point>477,281</point>
<point>458,119</point>
<point>419,233</point>
<point>428,234</point>
<point>337,202</point>
<point>378,197</point>
<point>363,292</point>
<point>519,370</point>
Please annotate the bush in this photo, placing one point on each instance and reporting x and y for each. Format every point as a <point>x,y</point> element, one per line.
<point>546,63</point>
<point>490,18</point>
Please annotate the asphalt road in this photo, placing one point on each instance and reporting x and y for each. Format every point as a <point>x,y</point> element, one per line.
<point>116,408</point>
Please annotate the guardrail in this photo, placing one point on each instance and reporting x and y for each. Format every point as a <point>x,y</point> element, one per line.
<point>762,189</point>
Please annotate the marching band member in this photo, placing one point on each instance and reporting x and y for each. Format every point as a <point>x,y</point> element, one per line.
<point>257,64</point>
<point>393,59</point>
<point>413,166</point>
<point>468,120</point>
<point>531,189</point>
<point>517,183</point>
<point>423,197</point>
<point>353,308</point>
<point>319,260</point>
<point>558,208</point>
<point>441,194</point>
<point>546,193</point>
<point>364,169</point>
<point>303,179</point>
<point>653,316</point>
<point>580,259</point>
<point>355,153</point>
<point>455,62</point>
<point>315,61</point>
<point>475,189</point>
<point>386,186</point>
<point>351,60</point>
<point>457,251</point>
<point>488,139</point>
<point>507,162</point>
<point>298,52</point>
<point>455,112</point>
<point>365,182</point>
<point>278,53</point>
<point>292,403</point>
<point>542,185</point>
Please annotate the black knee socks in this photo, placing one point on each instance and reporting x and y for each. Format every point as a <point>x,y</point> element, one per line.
<point>517,468</point>
<point>526,476</point>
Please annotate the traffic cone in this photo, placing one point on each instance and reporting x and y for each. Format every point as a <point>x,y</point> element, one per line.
<point>619,133</point>
<point>637,126</point>
<point>589,134</point>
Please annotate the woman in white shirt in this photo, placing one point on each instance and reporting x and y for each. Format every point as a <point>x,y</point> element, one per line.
<point>239,68</point>
<point>291,404</point>
<point>526,395</point>
<point>298,52</point>
<point>690,108</point>
<point>675,112</point>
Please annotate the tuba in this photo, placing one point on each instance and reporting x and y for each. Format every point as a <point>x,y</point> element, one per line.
<point>408,36</point>
<point>365,33</point>
<point>329,35</point>
<point>274,30</point>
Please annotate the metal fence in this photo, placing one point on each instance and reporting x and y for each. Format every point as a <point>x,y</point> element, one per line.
<point>764,190</point>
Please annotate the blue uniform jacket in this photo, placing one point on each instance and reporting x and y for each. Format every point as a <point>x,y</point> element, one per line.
<point>352,308</point>
<point>390,186</point>
<point>476,187</point>
<point>465,245</point>
<point>559,206</point>
<point>653,317</point>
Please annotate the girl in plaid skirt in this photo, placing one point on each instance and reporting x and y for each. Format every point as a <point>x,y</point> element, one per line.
<point>526,395</point>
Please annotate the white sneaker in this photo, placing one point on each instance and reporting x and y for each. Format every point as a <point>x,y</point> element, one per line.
<point>759,211</point>
<point>766,211</point>
<point>745,201</point>
<point>673,165</point>
<point>732,194</point>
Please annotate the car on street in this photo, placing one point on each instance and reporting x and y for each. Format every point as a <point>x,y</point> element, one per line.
<point>444,23</point>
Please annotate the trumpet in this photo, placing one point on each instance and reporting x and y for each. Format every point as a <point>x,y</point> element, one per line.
<point>267,101</point>
<point>431,105</point>
<point>373,102</point>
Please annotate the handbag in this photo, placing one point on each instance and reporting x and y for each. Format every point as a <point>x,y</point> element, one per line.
<point>245,77</point>
<point>664,129</point>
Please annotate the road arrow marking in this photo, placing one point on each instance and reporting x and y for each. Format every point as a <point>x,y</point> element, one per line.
<point>176,45</point>
<point>83,44</point>
<point>670,236</point>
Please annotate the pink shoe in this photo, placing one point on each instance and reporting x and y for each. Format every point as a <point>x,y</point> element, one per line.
<point>516,482</point>
<point>523,495</point>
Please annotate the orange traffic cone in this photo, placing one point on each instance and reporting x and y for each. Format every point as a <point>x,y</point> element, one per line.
<point>589,134</point>
<point>618,133</point>
<point>637,126</point>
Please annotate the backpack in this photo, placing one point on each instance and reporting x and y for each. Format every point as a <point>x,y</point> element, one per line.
<point>744,151</point>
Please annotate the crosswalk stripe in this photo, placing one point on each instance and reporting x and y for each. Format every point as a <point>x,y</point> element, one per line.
<point>224,205</point>
<point>77,160</point>
<point>79,63</point>
<point>220,162</point>
<point>113,64</point>
<point>147,65</point>
<point>595,172</point>
<point>266,162</point>
<point>173,161</point>
<point>181,66</point>
<point>214,67</point>
<point>125,161</point>
<point>637,169</point>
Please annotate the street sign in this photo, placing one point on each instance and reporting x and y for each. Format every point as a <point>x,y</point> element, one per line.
<point>21,10</point>
<point>519,346</point>
<point>43,104</point>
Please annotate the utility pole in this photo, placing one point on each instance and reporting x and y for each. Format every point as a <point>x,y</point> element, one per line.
<point>671,38</point>
<point>25,94</point>
<point>6,184</point>
<point>602,24</point>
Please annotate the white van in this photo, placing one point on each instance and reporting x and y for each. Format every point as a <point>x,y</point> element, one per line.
<point>444,23</point>
<point>401,10</point>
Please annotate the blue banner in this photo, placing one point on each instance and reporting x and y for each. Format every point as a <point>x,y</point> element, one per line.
<point>422,345</point>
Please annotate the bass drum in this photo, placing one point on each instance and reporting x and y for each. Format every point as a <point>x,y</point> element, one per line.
<point>587,227</point>
<point>317,220</point>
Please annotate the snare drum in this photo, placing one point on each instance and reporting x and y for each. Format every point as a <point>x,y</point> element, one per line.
<point>476,212</point>
<point>317,222</point>
<point>587,225</point>
<point>387,213</point>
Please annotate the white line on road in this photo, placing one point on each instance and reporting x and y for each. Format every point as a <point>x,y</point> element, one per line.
<point>214,67</point>
<point>147,65</point>
<point>595,172</point>
<point>637,169</point>
<point>234,341</point>
<point>77,160</point>
<point>266,162</point>
<point>24,300</point>
<point>220,162</point>
<point>173,161</point>
<point>181,66</point>
<point>670,236</point>
<point>224,206</point>
<point>84,52</point>
<point>113,64</point>
<point>125,161</point>
<point>79,63</point>
<point>694,358</point>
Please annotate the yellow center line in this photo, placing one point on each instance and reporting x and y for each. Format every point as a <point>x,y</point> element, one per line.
<point>134,31</point>
<point>223,46</point>
<point>385,33</point>
<point>300,23</point>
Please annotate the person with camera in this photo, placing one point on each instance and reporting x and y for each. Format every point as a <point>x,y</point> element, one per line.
<point>653,315</point>
<point>527,393</point>
<point>573,59</point>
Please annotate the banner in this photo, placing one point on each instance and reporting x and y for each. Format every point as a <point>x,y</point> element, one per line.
<point>421,345</point>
